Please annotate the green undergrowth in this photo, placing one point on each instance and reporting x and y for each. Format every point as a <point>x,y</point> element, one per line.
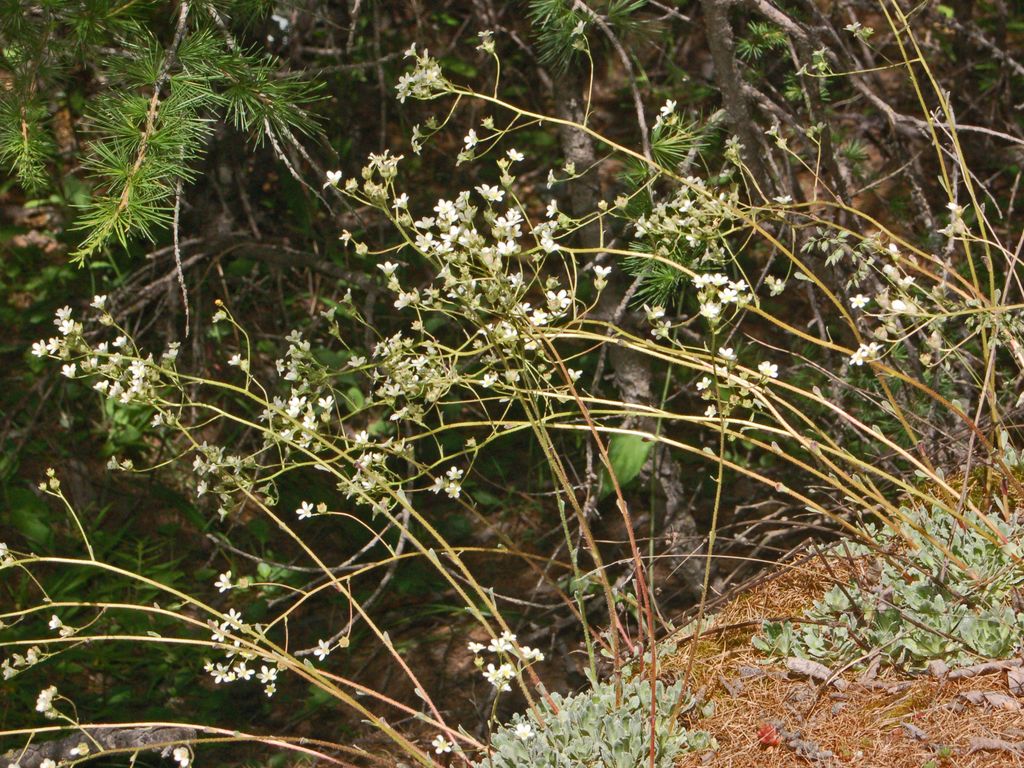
<point>597,728</point>
<point>947,587</point>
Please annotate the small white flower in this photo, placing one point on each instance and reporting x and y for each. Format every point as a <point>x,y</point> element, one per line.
<point>552,209</point>
<point>526,653</point>
<point>44,702</point>
<point>441,745</point>
<point>69,370</point>
<point>711,310</point>
<point>898,305</point>
<point>865,353</point>
<point>242,671</point>
<point>305,511</point>
<point>771,370</point>
<point>99,301</point>
<point>703,384</point>
<point>710,411</point>
<point>182,756</point>
<point>516,156</point>
<point>333,177</point>
<point>223,582</point>
<point>602,272</point>
<point>668,108</point>
<point>727,353</point>
<point>323,649</point>
<point>499,676</point>
<point>503,643</point>
<point>55,622</point>
<point>859,301</point>
<point>47,763</point>
<point>471,139</point>
<point>491,193</point>
<point>476,648</point>
<point>523,731</point>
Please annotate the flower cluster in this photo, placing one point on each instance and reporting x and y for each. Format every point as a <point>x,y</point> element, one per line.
<point>512,659</point>
<point>425,81</point>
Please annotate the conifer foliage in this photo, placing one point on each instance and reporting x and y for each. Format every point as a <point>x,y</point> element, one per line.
<point>150,80</point>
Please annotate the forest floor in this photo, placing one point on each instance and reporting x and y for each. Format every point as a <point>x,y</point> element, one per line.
<point>773,712</point>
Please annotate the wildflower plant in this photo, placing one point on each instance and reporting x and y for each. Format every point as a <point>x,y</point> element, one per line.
<point>497,328</point>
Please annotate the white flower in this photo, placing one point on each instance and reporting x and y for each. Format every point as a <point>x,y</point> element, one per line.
<point>552,209</point>
<point>223,582</point>
<point>333,177</point>
<point>441,745</point>
<point>475,648</point>
<point>710,411</point>
<point>99,301</point>
<point>859,301</point>
<point>499,676</point>
<point>771,370</point>
<point>55,622</point>
<point>69,370</point>
<point>182,756</point>
<point>516,156</point>
<point>402,201</point>
<point>242,672</point>
<point>503,643</point>
<point>727,353</point>
<point>222,674</point>
<point>491,193</point>
<point>898,305</point>
<point>267,675</point>
<point>602,272</point>
<point>703,384</point>
<point>47,763</point>
<point>471,139</point>
<point>668,108</point>
<point>323,649</point>
<point>44,702</point>
<point>305,511</point>
<point>526,653</point>
<point>865,352</point>
<point>711,310</point>
<point>523,731</point>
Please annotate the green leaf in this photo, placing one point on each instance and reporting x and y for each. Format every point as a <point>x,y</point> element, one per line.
<point>627,454</point>
<point>30,516</point>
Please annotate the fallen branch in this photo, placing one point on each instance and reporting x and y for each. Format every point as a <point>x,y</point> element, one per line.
<point>101,741</point>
